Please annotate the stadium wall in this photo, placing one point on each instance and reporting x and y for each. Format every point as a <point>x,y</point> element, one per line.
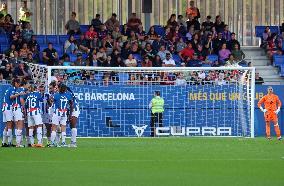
<point>111,111</point>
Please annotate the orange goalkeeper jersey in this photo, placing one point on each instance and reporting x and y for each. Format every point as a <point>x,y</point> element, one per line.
<point>271,102</point>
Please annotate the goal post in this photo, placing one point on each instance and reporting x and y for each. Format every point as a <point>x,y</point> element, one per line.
<point>203,101</point>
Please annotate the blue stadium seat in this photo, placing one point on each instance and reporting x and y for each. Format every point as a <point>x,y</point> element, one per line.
<point>84,28</point>
<point>41,39</point>
<point>59,49</point>
<point>4,47</point>
<point>212,57</point>
<point>43,46</point>
<point>177,59</point>
<point>3,39</point>
<point>260,29</point>
<point>138,57</point>
<point>282,70</point>
<point>278,60</point>
<point>73,57</point>
<point>52,39</point>
<point>206,65</point>
<point>159,30</point>
<point>63,38</point>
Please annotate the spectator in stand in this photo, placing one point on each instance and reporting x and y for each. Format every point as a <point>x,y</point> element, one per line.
<point>195,41</point>
<point>258,79</point>
<point>157,62</point>
<point>102,33</point>
<point>14,59</point>
<point>114,55</point>
<point>24,51</point>
<point>7,72</point>
<point>194,62</point>
<point>9,24</point>
<point>25,14</point>
<point>152,34</point>
<point>96,22</point>
<point>157,43</point>
<point>22,71</point>
<point>219,24</point>
<point>27,33</point>
<point>172,23</point>
<point>3,61</point>
<point>169,62</point>
<point>130,61</point>
<point>125,51</point>
<point>118,63</point>
<point>146,62</point>
<point>80,61</point>
<point>218,42</point>
<point>162,52</point>
<point>238,54</point>
<point>282,29</point>
<point>112,22</point>
<point>187,53</point>
<point>108,44</point>
<point>226,33</point>
<point>50,56</point>
<point>233,42</point>
<point>2,24</point>
<point>91,36</point>
<point>4,10</point>
<point>141,33</point>
<point>83,45</point>
<point>132,37</point>
<point>208,45</point>
<point>272,46</point>
<point>190,33</point>
<point>101,56</point>
<point>265,36</point>
<point>35,53</point>
<point>125,31</point>
<point>191,21</point>
<point>116,33</point>
<point>220,80</point>
<point>201,52</point>
<point>180,45</point>
<point>107,62</point>
<point>30,59</point>
<point>194,11</point>
<point>180,81</point>
<point>70,46</point>
<point>181,22</point>
<point>231,61</point>
<point>33,43</point>
<point>134,22</point>
<point>207,25</point>
<point>10,50</point>
<point>73,26</point>
<point>224,54</point>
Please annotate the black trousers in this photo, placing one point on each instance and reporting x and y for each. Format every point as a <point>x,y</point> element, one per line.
<point>156,118</point>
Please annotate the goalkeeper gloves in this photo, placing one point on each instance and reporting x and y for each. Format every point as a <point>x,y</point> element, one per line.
<point>277,111</point>
<point>263,110</point>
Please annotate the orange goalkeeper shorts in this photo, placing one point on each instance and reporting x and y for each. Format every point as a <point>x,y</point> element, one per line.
<point>270,116</point>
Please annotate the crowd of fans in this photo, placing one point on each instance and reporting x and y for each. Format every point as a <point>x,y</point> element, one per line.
<point>184,42</point>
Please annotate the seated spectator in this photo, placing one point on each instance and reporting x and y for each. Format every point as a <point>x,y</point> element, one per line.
<point>147,62</point>
<point>108,44</point>
<point>24,51</point>
<point>192,22</point>
<point>238,54</point>
<point>33,43</point>
<point>112,22</point>
<point>35,54</point>
<point>7,72</point>
<point>91,34</point>
<point>30,59</point>
<point>152,34</point>
<point>194,62</point>
<point>2,24</point>
<point>148,51</point>
<point>218,43</point>
<point>101,56</point>
<point>219,24</point>
<point>190,33</point>
<point>27,33</point>
<point>162,52</point>
<point>96,22</point>
<point>14,59</point>
<point>226,33</point>
<point>220,80</point>
<point>83,44</point>
<point>22,71</point>
<point>232,42</point>
<point>25,14</point>
<point>70,46</point>
<point>130,61</point>
<point>80,61</point>
<point>102,33</point>
<point>135,48</point>
<point>172,23</point>
<point>141,33</point>
<point>157,43</point>
<point>187,52</point>
<point>195,41</point>
<point>231,61</point>
<point>258,79</point>
<point>10,50</point>
<point>50,56</point>
<point>169,62</point>
<point>180,45</point>
<point>132,37</point>
<point>116,33</point>
<point>207,25</point>
<point>9,24</point>
<point>73,26</point>
<point>194,11</point>
<point>134,22</point>
<point>181,22</point>
<point>126,50</point>
<point>118,63</point>
<point>180,81</point>
<point>272,46</point>
<point>265,36</point>
<point>224,54</point>
<point>125,31</point>
<point>201,52</point>
<point>157,62</point>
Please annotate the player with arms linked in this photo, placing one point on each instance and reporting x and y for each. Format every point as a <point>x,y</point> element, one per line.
<point>61,101</point>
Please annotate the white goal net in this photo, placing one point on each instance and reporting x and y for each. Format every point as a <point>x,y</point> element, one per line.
<point>114,102</point>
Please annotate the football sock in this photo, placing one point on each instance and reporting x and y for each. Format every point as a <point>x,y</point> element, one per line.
<point>10,136</point>
<point>268,130</point>
<point>73,135</point>
<point>39,135</point>
<point>31,136</point>
<point>4,137</point>
<point>63,136</point>
<point>19,136</point>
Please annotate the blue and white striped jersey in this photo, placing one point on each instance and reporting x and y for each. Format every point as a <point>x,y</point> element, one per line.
<point>61,102</point>
<point>7,102</point>
<point>44,107</point>
<point>16,102</point>
<point>33,101</point>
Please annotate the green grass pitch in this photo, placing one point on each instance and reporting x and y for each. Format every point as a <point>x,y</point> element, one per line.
<point>146,161</point>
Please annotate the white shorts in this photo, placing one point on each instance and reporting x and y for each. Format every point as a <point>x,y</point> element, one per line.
<point>34,120</point>
<point>7,115</point>
<point>18,115</point>
<point>59,120</point>
<point>46,118</point>
<point>76,113</point>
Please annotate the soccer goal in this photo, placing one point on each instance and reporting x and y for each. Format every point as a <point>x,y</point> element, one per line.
<point>205,101</point>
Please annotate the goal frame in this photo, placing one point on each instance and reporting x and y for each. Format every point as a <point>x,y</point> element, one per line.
<point>251,82</point>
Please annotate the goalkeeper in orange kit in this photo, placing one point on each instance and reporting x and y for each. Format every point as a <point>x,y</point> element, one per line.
<point>271,108</point>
